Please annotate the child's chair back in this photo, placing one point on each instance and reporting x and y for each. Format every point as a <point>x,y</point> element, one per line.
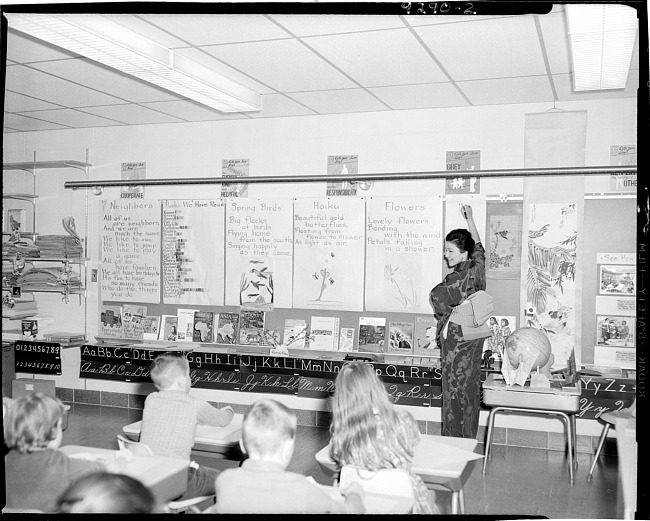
<point>389,491</point>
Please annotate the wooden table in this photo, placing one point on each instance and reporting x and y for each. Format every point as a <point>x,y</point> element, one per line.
<point>165,477</point>
<point>564,402</point>
<point>213,442</point>
<point>439,460</point>
<point>627,447</point>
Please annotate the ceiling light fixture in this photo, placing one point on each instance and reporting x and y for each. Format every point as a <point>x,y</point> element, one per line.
<point>602,39</point>
<point>113,45</point>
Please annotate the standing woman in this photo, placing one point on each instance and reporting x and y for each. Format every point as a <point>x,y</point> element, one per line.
<point>461,359</point>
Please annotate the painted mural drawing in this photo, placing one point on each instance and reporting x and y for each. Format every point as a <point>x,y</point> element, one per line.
<point>256,285</point>
<point>550,278</point>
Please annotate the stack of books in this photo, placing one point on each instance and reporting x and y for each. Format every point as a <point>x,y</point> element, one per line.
<point>65,339</point>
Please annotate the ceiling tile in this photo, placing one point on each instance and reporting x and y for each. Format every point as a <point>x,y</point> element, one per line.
<point>132,114</point>
<point>564,88</point>
<point>533,89</point>
<point>321,24</point>
<point>190,111</point>
<point>86,72</point>
<point>338,101</point>
<point>16,102</point>
<point>378,58</point>
<point>72,118</point>
<point>431,95</point>
<point>204,29</point>
<point>278,105</point>
<point>556,41</point>
<point>43,86</point>
<point>207,60</point>
<point>284,65</point>
<point>501,48</point>
<point>26,124</point>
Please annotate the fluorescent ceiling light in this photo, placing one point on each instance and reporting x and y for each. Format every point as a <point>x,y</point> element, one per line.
<point>603,38</point>
<point>109,43</point>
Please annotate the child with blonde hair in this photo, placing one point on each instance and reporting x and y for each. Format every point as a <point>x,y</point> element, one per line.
<point>263,485</point>
<point>367,431</point>
<point>36,473</point>
<point>170,417</point>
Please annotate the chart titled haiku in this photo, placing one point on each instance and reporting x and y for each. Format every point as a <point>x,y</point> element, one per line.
<point>192,251</point>
<point>329,253</point>
<point>130,267</point>
<point>403,252</point>
<point>259,253</point>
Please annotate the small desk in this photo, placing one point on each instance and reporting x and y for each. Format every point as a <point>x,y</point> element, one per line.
<point>627,447</point>
<point>563,402</point>
<point>213,442</point>
<point>376,503</point>
<point>439,460</point>
<point>165,477</point>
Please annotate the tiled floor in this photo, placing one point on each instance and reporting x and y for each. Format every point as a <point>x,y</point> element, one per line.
<point>519,481</point>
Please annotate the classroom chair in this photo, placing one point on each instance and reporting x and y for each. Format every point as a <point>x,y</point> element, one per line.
<point>394,483</point>
<point>136,447</point>
<point>610,420</point>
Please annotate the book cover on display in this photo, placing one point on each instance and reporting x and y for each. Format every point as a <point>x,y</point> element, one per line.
<point>133,321</point>
<point>203,326</point>
<point>251,326</point>
<point>151,328</point>
<point>324,333</point>
<point>424,337</point>
<point>227,328</point>
<point>372,334</point>
<point>185,325</point>
<point>169,328</point>
<point>29,328</point>
<point>400,337</point>
<point>295,333</point>
<point>110,321</point>
<point>346,339</point>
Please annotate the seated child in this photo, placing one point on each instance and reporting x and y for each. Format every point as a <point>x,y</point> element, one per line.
<point>171,415</point>
<point>36,473</point>
<point>107,493</point>
<point>263,485</point>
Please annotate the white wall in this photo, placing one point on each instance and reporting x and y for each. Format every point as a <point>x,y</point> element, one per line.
<point>386,142</point>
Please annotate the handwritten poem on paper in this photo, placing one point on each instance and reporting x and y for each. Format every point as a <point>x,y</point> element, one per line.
<point>130,247</point>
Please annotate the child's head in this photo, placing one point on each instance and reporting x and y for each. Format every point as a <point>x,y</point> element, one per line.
<point>170,371</point>
<point>269,431</point>
<point>103,492</point>
<point>504,322</point>
<point>33,422</point>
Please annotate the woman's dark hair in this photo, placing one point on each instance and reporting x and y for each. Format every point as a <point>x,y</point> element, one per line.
<point>462,239</point>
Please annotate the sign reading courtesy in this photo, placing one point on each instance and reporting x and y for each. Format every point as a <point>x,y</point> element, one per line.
<point>37,357</point>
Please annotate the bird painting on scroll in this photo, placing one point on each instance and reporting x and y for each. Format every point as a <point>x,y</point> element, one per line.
<point>403,252</point>
<point>549,272</point>
<point>328,253</point>
<point>193,251</point>
<point>259,253</point>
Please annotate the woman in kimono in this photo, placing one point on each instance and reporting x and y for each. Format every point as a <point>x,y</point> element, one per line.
<point>461,359</point>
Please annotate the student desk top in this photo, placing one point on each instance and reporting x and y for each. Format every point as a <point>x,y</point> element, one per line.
<point>376,503</point>
<point>439,460</point>
<point>214,442</point>
<point>165,477</point>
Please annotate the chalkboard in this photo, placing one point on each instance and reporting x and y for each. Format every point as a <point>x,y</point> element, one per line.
<point>407,384</point>
<point>317,377</point>
<point>215,370</point>
<point>600,395</point>
<point>37,357</point>
<point>268,374</point>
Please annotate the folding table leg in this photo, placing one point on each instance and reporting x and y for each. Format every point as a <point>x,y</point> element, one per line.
<point>488,441</point>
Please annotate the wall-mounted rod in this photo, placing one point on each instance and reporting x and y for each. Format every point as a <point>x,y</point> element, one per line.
<point>595,170</point>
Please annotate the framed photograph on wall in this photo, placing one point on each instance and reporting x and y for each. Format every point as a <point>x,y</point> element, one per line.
<point>615,330</point>
<point>617,279</point>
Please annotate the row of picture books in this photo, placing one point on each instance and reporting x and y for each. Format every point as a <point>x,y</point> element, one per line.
<point>248,327</point>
